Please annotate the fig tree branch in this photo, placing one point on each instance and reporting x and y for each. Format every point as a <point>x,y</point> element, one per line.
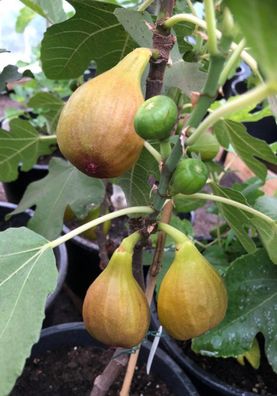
<point>103,382</point>
<point>150,287</point>
<point>207,96</point>
<point>163,42</point>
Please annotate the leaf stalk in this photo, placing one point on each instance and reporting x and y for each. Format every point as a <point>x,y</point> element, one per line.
<point>250,98</point>
<point>96,222</point>
<point>227,201</point>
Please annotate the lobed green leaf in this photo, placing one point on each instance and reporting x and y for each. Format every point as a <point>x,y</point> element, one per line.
<point>257,21</point>
<point>27,275</point>
<point>137,183</point>
<point>64,185</point>
<point>251,282</point>
<point>93,33</point>
<point>49,105</point>
<point>21,146</point>
<point>251,150</point>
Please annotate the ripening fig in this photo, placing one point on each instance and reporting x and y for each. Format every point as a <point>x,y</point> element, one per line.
<point>115,309</point>
<point>91,232</point>
<point>96,131</point>
<point>192,297</point>
<point>94,213</point>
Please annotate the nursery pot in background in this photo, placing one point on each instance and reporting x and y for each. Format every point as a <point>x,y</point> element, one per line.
<point>208,384</point>
<point>14,190</point>
<point>74,334</point>
<point>83,264</point>
<point>266,128</point>
<point>60,252</point>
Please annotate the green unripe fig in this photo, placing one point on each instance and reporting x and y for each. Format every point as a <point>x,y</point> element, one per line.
<point>206,146</point>
<point>156,117</point>
<point>189,176</point>
<point>192,297</point>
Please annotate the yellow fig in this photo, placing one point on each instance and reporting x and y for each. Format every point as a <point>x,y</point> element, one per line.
<point>115,309</point>
<point>90,234</point>
<point>96,131</point>
<point>192,297</point>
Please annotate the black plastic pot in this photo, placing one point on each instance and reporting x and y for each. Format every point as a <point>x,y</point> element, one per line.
<point>83,264</point>
<point>74,334</point>
<point>266,128</point>
<point>240,75</point>
<point>14,190</point>
<point>60,252</point>
<point>206,383</point>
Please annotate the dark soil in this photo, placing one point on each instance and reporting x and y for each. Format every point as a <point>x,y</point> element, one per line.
<point>262,381</point>
<point>70,372</point>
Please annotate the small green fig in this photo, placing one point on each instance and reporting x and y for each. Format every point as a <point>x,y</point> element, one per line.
<point>189,176</point>
<point>156,117</point>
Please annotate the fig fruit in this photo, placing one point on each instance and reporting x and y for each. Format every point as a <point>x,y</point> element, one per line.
<point>96,131</point>
<point>156,117</point>
<point>115,309</point>
<point>206,146</point>
<point>192,297</point>
<point>69,216</point>
<point>189,176</point>
<point>91,232</point>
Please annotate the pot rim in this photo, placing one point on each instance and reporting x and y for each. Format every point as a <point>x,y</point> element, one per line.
<point>81,241</point>
<point>74,333</point>
<point>192,367</point>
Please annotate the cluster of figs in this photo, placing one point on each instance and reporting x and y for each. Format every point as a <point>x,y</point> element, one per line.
<point>101,131</point>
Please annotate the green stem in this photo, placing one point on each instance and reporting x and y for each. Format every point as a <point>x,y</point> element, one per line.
<point>51,139</point>
<point>227,201</point>
<point>128,243</point>
<point>209,91</point>
<point>170,22</point>
<point>211,26</point>
<point>145,5</point>
<point>96,222</point>
<point>191,7</point>
<point>165,147</point>
<point>232,61</point>
<point>175,234</point>
<point>207,97</point>
<point>152,151</point>
<point>250,98</point>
